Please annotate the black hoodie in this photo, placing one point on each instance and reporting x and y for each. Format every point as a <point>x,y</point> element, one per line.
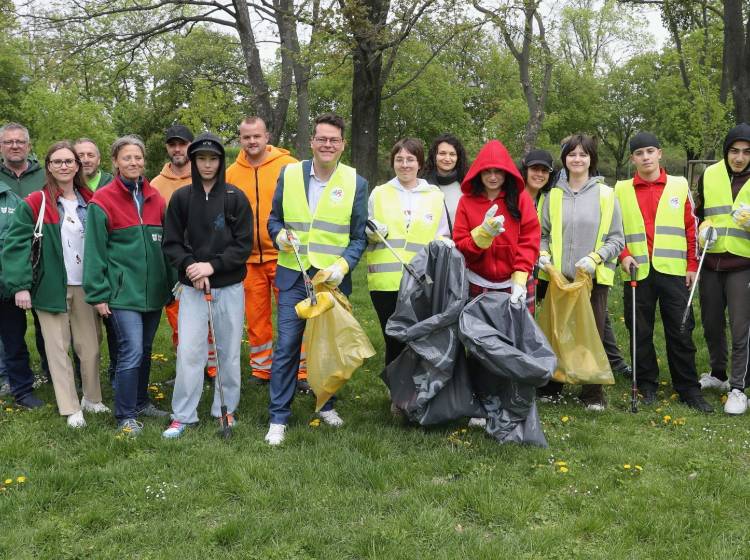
<point>214,227</point>
<point>727,262</point>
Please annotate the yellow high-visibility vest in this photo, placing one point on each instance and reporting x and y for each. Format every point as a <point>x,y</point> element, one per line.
<point>670,244</point>
<point>324,235</point>
<point>718,207</point>
<point>605,271</point>
<point>384,271</point>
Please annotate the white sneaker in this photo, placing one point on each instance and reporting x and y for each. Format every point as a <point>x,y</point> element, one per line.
<point>477,422</point>
<point>76,420</point>
<point>595,407</point>
<point>736,402</point>
<point>331,417</point>
<point>710,383</point>
<point>93,406</point>
<point>275,434</point>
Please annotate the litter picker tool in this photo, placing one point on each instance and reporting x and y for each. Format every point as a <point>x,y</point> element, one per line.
<point>634,381</point>
<point>423,279</point>
<point>226,429</point>
<point>688,307</point>
<point>308,283</point>
<point>316,306</point>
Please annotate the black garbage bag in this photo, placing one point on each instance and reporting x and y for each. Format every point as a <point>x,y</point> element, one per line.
<point>429,380</point>
<point>510,357</point>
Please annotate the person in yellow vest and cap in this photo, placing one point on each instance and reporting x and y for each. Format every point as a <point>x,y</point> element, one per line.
<point>659,225</point>
<point>582,229</point>
<point>410,212</point>
<point>723,210</point>
<point>320,206</point>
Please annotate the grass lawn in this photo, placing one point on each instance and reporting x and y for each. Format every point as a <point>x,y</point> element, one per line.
<point>376,488</point>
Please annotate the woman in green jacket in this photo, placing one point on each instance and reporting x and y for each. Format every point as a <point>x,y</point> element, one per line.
<point>55,290</point>
<point>126,277</point>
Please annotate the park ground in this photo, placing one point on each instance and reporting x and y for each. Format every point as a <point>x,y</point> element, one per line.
<point>663,483</point>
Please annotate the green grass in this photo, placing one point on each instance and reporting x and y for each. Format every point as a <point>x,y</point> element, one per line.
<point>375,488</point>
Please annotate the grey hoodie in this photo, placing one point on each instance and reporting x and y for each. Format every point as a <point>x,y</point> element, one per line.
<point>581,216</point>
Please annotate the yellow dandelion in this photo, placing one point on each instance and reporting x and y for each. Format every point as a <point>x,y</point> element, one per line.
<point>639,468</point>
<point>8,409</point>
<point>626,466</point>
<point>315,422</point>
<point>21,479</point>
<point>8,481</point>
<point>667,418</point>
<point>564,419</point>
<point>159,396</point>
<point>563,469</point>
<point>673,397</point>
<point>561,464</point>
<point>658,409</point>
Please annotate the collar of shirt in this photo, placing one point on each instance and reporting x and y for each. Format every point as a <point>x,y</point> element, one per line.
<point>422,185</point>
<point>318,180</point>
<point>661,181</point>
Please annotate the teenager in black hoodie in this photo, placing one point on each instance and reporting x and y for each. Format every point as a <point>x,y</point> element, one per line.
<point>723,201</point>
<point>208,236</point>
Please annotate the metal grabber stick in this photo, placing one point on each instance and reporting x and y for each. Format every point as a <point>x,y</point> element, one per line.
<point>688,307</point>
<point>305,277</point>
<point>226,429</point>
<point>422,280</point>
<point>634,381</point>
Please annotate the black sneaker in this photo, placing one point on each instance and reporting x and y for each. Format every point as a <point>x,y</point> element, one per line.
<point>696,402</point>
<point>303,386</point>
<point>648,395</point>
<point>624,369</point>
<point>30,401</point>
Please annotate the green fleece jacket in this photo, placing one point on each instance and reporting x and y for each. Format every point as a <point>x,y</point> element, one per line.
<point>30,180</point>
<point>123,262</point>
<point>9,202</point>
<point>49,291</point>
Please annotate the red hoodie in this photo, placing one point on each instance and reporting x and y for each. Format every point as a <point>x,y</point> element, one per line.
<point>517,248</point>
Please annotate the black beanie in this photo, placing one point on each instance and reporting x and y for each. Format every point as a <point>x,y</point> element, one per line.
<point>643,140</point>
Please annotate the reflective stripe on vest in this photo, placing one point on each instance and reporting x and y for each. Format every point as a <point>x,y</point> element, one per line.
<point>605,271</point>
<point>323,236</point>
<point>670,244</point>
<point>383,269</point>
<point>718,205</point>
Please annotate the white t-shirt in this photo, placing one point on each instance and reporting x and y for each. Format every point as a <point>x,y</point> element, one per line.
<point>71,234</point>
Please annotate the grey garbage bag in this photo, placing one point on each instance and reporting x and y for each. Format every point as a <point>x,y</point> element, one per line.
<point>510,357</point>
<point>429,380</point>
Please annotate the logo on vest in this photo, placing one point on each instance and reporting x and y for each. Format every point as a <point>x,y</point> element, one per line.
<point>337,195</point>
<point>6,210</point>
<point>428,218</point>
<point>674,202</point>
<point>156,237</point>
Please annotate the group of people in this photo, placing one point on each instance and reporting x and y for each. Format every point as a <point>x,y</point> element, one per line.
<point>81,248</point>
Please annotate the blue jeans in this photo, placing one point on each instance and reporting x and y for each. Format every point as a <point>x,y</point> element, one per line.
<point>135,331</point>
<point>286,354</point>
<point>15,352</point>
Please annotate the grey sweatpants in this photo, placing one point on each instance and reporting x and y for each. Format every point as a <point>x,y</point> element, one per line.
<point>192,349</point>
<point>720,292</point>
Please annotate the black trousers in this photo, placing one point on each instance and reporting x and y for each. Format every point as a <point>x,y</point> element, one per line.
<point>385,304</point>
<point>671,294</point>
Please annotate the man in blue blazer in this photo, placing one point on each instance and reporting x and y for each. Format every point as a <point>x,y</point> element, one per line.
<point>319,205</point>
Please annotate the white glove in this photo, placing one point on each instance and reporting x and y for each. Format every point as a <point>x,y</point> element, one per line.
<point>372,235</point>
<point>544,260</point>
<point>336,272</point>
<point>707,236</point>
<point>587,264</point>
<point>284,242</point>
<point>447,241</point>
<point>741,216</point>
<point>517,293</point>
<point>493,224</point>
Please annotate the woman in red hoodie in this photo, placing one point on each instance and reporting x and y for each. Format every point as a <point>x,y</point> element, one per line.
<point>497,228</point>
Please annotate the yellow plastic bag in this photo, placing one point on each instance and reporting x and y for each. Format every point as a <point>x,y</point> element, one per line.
<point>567,320</point>
<point>336,345</point>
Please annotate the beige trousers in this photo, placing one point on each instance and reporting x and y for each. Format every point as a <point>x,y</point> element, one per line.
<point>82,321</point>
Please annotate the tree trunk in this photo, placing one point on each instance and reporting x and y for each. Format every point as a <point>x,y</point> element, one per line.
<point>366,98</point>
<point>737,58</point>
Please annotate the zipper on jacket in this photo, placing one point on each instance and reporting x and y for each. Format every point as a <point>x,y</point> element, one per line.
<point>143,232</point>
<point>257,213</point>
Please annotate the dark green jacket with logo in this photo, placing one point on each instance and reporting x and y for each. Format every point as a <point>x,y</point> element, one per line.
<point>123,264</point>
<point>50,290</point>
<point>9,202</point>
<point>30,180</point>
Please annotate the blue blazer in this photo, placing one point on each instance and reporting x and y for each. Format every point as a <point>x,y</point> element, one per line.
<point>286,277</point>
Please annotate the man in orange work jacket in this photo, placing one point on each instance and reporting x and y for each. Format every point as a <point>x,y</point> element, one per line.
<point>256,172</point>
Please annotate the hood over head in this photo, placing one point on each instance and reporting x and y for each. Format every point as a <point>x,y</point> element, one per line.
<point>207,142</point>
<point>493,155</point>
<point>739,132</point>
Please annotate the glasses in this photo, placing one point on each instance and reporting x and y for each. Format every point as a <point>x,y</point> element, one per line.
<point>15,142</point>
<point>58,163</point>
<point>322,140</point>
<point>405,161</point>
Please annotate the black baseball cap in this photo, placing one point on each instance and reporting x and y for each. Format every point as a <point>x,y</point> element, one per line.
<point>538,157</point>
<point>644,140</point>
<point>179,131</point>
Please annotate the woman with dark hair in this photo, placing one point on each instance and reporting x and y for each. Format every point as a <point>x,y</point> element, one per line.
<point>582,229</point>
<point>497,228</point>
<point>55,290</point>
<point>126,276</point>
<point>445,167</point>
<point>536,170</point>
<point>410,212</point>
